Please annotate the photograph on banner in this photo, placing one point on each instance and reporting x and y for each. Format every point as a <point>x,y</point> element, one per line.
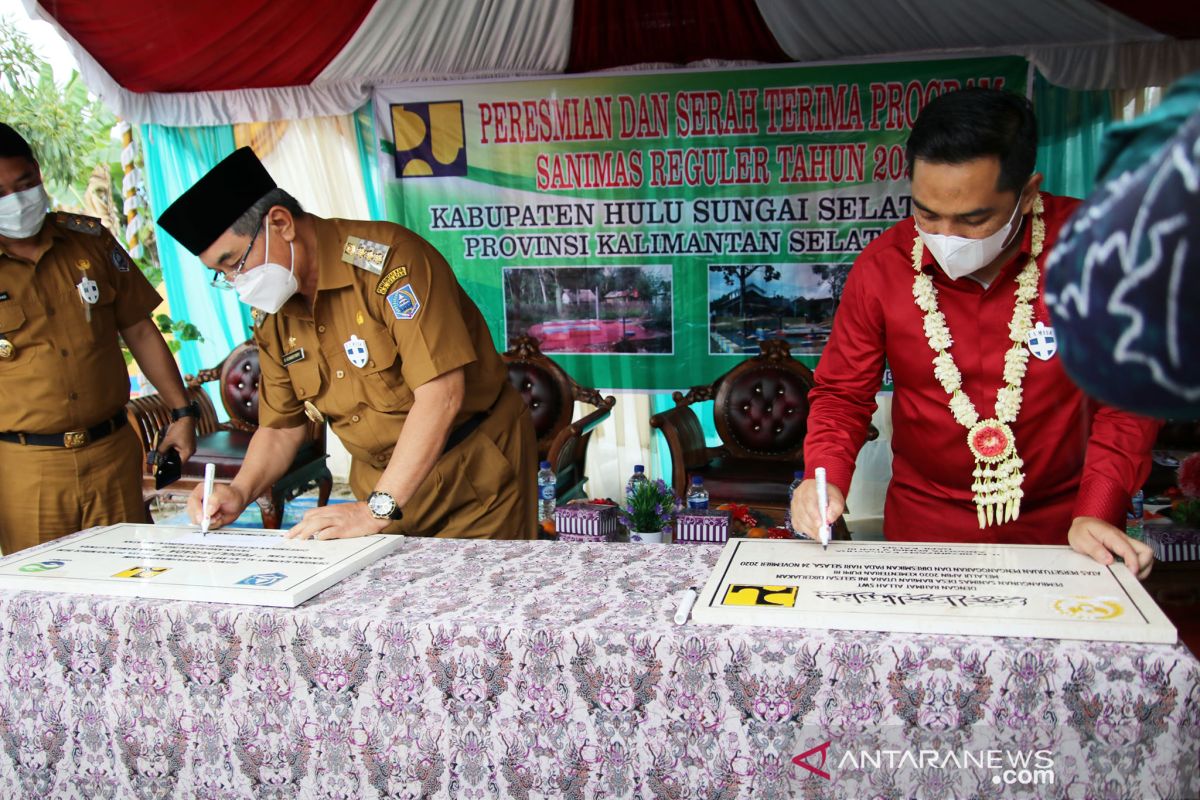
<point>750,303</point>
<point>591,309</point>
<point>591,211</point>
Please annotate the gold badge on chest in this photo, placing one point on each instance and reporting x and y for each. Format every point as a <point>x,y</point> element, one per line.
<point>7,350</point>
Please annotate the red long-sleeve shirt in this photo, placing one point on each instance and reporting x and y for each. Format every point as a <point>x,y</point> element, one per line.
<point>1081,458</point>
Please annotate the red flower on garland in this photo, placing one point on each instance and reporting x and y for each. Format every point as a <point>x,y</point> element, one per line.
<point>1189,476</point>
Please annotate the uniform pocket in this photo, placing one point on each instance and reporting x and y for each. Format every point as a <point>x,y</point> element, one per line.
<point>305,375</point>
<point>380,381</point>
<point>23,354</point>
<point>103,324</point>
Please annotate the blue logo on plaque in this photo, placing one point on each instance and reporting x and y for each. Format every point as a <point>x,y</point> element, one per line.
<point>42,566</point>
<point>262,579</point>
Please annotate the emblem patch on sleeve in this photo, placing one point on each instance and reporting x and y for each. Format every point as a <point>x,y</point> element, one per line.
<point>120,259</point>
<point>404,302</point>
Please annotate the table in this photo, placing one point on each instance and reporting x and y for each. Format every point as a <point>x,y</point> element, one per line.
<point>543,669</point>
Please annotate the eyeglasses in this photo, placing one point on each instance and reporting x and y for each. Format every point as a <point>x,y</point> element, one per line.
<point>220,281</point>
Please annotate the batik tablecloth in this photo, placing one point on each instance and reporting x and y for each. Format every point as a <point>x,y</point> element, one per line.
<point>544,669</point>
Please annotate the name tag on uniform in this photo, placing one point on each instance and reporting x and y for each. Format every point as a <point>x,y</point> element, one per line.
<point>293,357</point>
<point>3,296</point>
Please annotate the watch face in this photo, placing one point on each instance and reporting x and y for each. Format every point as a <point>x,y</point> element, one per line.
<point>381,504</point>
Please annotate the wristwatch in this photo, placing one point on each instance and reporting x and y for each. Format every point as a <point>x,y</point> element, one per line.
<point>383,506</point>
<point>192,409</point>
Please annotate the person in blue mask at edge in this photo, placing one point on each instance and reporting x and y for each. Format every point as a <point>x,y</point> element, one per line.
<point>68,460</point>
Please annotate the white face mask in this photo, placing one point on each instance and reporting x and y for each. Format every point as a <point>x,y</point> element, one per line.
<point>268,287</point>
<point>22,213</point>
<point>959,256</point>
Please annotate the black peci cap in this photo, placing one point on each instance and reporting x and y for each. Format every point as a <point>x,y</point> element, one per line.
<point>205,211</point>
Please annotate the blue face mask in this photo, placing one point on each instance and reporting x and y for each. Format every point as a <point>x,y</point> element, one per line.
<point>23,213</point>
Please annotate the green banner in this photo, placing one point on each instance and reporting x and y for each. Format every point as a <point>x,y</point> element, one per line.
<point>650,229</point>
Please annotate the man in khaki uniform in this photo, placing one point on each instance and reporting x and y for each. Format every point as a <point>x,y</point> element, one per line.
<point>68,460</point>
<point>366,326</point>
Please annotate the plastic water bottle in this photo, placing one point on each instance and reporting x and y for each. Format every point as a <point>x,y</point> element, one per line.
<point>638,476</point>
<point>1135,517</point>
<point>546,489</point>
<point>697,495</point>
<point>797,479</point>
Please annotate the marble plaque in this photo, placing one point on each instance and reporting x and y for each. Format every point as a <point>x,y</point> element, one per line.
<point>988,590</point>
<point>253,567</point>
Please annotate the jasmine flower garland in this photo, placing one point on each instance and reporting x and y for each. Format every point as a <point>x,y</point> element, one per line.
<point>997,474</point>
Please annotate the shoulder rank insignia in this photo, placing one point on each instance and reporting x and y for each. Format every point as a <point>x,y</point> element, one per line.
<point>258,315</point>
<point>78,222</point>
<point>388,281</point>
<point>364,254</point>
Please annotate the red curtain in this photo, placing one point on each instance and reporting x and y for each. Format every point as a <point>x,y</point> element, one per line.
<point>205,45</point>
<point>615,33</point>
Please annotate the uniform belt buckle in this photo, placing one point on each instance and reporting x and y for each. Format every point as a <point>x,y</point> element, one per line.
<point>73,439</point>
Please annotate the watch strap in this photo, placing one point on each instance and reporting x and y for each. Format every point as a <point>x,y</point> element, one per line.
<point>192,409</point>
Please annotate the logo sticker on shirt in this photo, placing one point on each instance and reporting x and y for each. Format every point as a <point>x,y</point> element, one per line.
<point>120,259</point>
<point>404,302</point>
<point>1042,342</point>
<point>356,350</point>
<point>89,290</point>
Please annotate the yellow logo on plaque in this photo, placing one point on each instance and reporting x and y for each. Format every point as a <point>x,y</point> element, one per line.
<point>1089,608</point>
<point>742,595</point>
<point>141,572</point>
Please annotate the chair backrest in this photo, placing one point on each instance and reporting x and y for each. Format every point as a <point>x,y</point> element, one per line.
<point>548,391</point>
<point>239,384</point>
<point>760,407</point>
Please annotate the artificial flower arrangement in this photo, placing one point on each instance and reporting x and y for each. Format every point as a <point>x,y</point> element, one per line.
<point>649,506</point>
<point>1186,510</point>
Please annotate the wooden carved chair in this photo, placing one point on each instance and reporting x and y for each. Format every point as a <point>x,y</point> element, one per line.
<point>550,393</point>
<point>224,444</point>
<point>760,410</point>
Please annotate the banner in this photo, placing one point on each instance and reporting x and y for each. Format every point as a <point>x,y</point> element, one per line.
<point>651,229</point>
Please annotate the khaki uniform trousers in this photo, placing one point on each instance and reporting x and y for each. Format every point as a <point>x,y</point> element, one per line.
<point>483,488</point>
<point>48,492</point>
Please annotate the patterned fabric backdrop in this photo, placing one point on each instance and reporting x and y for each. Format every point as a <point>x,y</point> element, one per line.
<point>541,669</point>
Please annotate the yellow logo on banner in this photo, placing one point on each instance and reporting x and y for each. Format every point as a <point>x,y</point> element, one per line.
<point>739,595</point>
<point>1089,608</point>
<point>429,139</point>
<point>141,572</point>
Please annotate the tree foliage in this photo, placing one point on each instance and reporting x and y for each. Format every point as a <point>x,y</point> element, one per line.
<point>68,130</point>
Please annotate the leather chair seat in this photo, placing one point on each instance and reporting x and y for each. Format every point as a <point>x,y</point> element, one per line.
<point>226,449</point>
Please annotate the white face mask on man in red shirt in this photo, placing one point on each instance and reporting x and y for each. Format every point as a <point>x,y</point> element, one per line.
<point>959,256</point>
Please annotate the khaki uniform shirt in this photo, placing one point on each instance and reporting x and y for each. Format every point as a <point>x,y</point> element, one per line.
<point>371,339</point>
<point>67,372</point>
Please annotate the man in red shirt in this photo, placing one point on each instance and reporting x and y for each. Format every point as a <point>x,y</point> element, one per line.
<point>992,441</point>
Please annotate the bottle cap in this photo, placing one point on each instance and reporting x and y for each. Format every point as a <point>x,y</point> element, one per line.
<point>545,465</point>
<point>697,480</point>
<point>799,474</point>
<point>638,468</point>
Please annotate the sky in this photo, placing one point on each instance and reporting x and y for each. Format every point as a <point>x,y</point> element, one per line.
<point>46,41</point>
